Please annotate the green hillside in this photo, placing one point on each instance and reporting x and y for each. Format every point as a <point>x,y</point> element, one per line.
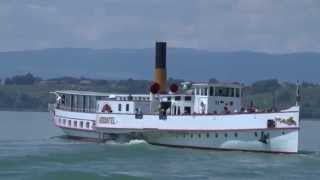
<point>33,95</point>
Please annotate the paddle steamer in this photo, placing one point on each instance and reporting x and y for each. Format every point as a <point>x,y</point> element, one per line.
<point>198,115</point>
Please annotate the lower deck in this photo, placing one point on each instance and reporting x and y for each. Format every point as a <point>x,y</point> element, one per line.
<point>233,132</point>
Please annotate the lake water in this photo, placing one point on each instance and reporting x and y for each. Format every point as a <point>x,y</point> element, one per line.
<point>30,148</point>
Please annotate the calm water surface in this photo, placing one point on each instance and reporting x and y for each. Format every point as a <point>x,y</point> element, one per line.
<point>31,149</point>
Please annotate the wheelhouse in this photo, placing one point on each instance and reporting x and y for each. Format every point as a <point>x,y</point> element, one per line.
<point>216,97</point>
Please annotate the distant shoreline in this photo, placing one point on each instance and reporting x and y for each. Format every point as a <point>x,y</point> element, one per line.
<point>27,93</point>
<point>22,110</point>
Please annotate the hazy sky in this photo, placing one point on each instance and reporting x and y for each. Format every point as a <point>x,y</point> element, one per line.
<point>276,26</point>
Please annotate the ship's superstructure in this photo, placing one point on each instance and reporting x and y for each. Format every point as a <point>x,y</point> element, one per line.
<point>200,115</point>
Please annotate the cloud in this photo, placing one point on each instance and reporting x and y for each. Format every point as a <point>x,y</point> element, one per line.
<point>276,26</point>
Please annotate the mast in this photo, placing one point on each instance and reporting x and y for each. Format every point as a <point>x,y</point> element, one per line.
<point>298,97</point>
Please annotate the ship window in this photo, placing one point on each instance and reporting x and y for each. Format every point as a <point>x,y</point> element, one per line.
<point>63,99</point>
<point>88,105</point>
<point>81,124</point>
<point>187,98</point>
<point>211,91</point>
<point>179,112</point>
<point>119,107</point>
<point>69,123</point>
<point>83,103</point>
<point>221,91</point>
<point>255,134</point>
<point>237,92</point>
<point>177,98</point>
<point>191,135</point>
<point>75,123</point>
<point>93,103</point>
<point>206,91</point>
<point>283,133</point>
<point>187,110</point>
<point>217,135</point>
<point>201,91</point>
<point>59,121</point>
<point>197,91</point>
<point>199,135</point>
<point>127,107</point>
<point>64,122</point>
<point>235,134</point>
<point>208,135</point>
<point>231,92</point>
<point>68,102</point>
<point>225,135</point>
<point>87,125</point>
<point>79,103</point>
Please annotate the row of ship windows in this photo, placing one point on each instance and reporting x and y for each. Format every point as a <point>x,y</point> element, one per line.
<point>76,124</point>
<point>120,107</point>
<point>129,98</point>
<point>169,98</point>
<point>218,91</point>
<point>216,135</point>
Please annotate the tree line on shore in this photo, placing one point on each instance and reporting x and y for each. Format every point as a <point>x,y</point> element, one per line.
<point>28,92</point>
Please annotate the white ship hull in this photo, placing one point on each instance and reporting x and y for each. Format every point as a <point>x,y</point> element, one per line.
<point>281,140</point>
<point>247,132</point>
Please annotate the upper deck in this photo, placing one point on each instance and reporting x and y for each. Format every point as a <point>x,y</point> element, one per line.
<point>200,98</point>
<point>86,101</point>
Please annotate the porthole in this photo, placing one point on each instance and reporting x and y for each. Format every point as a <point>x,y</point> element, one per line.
<point>235,134</point>
<point>217,135</point>
<point>199,135</point>
<point>208,135</point>
<point>283,133</point>
<point>225,135</point>
<point>191,135</point>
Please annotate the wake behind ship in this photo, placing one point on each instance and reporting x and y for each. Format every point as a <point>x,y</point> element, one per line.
<point>198,115</point>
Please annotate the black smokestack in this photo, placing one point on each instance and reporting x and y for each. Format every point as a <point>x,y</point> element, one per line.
<point>161,54</point>
<point>160,69</point>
